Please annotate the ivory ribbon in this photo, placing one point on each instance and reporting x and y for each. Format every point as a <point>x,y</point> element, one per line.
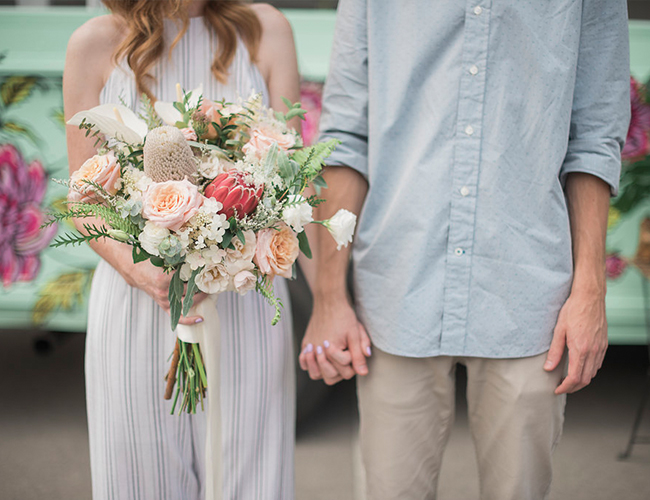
<point>208,335</point>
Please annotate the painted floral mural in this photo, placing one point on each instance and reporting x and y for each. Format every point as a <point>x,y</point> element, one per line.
<point>22,188</point>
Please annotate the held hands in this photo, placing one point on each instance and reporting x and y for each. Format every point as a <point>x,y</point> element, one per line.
<point>155,283</point>
<point>336,345</point>
<point>582,328</point>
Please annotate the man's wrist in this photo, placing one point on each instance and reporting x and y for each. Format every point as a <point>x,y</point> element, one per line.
<point>593,286</point>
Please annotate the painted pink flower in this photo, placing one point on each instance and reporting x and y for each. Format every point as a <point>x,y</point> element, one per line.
<point>22,188</point>
<point>234,193</point>
<point>311,97</point>
<point>637,144</point>
<point>614,266</point>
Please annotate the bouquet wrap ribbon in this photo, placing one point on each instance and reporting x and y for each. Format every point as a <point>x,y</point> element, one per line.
<point>208,335</point>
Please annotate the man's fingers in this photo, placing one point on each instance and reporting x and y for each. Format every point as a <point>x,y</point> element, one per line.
<point>358,357</point>
<point>364,339</point>
<point>556,350</point>
<point>330,374</point>
<point>572,382</point>
<point>337,355</point>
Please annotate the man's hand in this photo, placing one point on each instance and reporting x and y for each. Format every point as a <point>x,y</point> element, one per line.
<point>582,328</point>
<point>335,345</point>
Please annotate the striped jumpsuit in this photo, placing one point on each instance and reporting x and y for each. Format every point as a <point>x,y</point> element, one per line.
<point>138,450</point>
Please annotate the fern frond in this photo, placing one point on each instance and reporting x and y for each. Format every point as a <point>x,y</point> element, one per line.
<point>311,159</point>
<point>264,287</point>
<point>93,233</point>
<point>114,218</point>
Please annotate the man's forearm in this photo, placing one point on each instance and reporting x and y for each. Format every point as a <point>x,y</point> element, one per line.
<point>588,200</point>
<point>346,189</point>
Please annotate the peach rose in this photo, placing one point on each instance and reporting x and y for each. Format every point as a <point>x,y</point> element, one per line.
<point>263,136</point>
<point>276,251</point>
<point>171,204</point>
<point>214,111</point>
<point>100,169</point>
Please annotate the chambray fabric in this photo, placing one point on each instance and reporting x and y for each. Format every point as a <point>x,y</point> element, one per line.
<point>465,117</point>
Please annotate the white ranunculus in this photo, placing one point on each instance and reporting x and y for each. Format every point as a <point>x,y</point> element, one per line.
<point>151,236</point>
<point>244,282</point>
<point>341,227</point>
<point>298,213</point>
<point>213,279</point>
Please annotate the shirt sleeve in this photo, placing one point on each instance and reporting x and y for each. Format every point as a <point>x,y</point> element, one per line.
<point>345,97</point>
<point>600,113</point>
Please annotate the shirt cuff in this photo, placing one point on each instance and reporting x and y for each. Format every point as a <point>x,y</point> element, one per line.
<point>601,158</point>
<point>351,152</point>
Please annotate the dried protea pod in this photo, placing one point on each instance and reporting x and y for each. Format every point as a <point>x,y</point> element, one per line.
<point>167,156</point>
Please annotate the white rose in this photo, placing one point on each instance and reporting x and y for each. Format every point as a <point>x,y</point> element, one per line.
<point>151,236</point>
<point>298,213</point>
<point>341,227</point>
<point>244,282</point>
<point>213,279</point>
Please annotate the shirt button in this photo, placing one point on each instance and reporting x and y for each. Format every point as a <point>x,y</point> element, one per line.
<point>459,251</point>
<point>469,130</point>
<point>464,191</point>
<point>478,10</point>
<point>473,70</point>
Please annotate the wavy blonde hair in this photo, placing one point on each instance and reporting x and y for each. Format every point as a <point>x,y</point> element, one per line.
<point>144,43</point>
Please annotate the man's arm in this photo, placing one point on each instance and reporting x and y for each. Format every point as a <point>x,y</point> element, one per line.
<point>335,338</point>
<point>599,122</point>
<point>334,331</point>
<point>581,325</point>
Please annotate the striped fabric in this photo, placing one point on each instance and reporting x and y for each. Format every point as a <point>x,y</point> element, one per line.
<point>139,451</point>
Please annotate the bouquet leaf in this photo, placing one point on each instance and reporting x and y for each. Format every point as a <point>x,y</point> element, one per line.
<point>191,290</point>
<point>175,298</point>
<point>303,244</point>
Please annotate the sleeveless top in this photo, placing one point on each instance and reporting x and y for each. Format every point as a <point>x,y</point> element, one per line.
<point>189,65</point>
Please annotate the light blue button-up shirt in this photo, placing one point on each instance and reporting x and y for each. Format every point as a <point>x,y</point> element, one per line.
<point>465,117</point>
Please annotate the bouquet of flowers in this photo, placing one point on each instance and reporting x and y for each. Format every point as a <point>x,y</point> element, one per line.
<point>212,192</point>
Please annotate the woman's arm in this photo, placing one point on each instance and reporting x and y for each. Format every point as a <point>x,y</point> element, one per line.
<point>87,67</point>
<point>277,61</point>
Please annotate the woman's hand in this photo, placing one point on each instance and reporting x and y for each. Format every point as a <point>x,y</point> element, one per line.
<point>155,282</point>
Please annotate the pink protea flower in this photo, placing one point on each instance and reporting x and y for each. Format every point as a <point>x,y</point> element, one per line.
<point>614,266</point>
<point>22,188</point>
<point>311,98</point>
<point>637,145</point>
<point>234,193</point>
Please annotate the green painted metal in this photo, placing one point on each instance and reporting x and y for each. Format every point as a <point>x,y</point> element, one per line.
<point>34,40</point>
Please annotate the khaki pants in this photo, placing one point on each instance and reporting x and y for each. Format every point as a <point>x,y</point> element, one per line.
<point>407,410</point>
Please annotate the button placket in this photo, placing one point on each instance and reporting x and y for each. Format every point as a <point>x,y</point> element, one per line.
<point>465,172</point>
